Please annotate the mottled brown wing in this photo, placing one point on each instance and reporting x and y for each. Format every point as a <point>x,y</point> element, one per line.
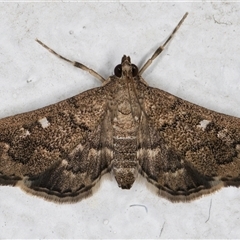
<point>186,150</point>
<point>57,152</point>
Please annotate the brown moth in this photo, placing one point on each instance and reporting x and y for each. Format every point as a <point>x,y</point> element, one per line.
<point>126,127</point>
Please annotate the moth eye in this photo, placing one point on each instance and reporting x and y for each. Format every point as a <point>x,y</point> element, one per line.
<point>118,70</point>
<point>134,70</point>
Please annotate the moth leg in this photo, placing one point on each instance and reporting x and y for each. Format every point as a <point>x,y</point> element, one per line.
<point>76,64</point>
<point>161,48</point>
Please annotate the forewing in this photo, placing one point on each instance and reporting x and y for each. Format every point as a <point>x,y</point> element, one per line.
<point>59,151</point>
<point>188,150</point>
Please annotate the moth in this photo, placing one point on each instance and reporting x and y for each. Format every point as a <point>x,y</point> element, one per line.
<point>126,127</point>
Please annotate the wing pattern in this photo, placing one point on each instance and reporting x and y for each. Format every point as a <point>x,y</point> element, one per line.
<point>188,150</point>
<point>57,152</point>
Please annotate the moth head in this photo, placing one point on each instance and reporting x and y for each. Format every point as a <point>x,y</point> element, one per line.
<point>126,68</point>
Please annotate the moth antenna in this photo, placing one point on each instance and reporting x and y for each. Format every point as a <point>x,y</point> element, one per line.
<point>161,48</point>
<point>76,64</point>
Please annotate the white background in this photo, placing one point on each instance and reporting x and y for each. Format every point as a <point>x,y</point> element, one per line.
<point>201,65</point>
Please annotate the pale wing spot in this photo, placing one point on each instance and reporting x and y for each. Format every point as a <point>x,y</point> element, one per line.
<point>139,153</point>
<point>64,162</point>
<point>69,174</point>
<point>203,124</point>
<point>93,152</point>
<point>26,181</point>
<point>72,175</point>
<point>25,132</point>
<point>77,149</point>
<point>153,152</point>
<point>238,147</point>
<point>4,150</point>
<point>238,150</point>
<point>224,136</point>
<point>136,119</point>
<point>177,173</point>
<point>217,178</point>
<point>216,182</point>
<point>108,152</point>
<point>44,122</point>
<point>6,147</point>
